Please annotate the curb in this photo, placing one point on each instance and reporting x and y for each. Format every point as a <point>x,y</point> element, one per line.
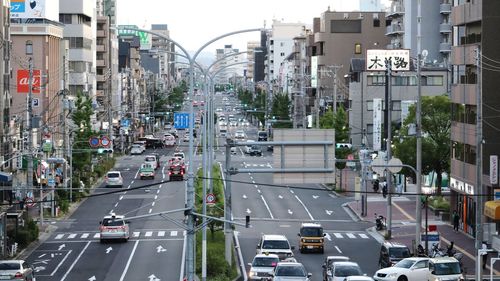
<point>355,216</point>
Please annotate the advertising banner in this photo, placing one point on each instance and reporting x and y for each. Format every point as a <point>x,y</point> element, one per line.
<point>23,81</point>
<point>377,124</point>
<point>34,9</point>
<point>376,60</point>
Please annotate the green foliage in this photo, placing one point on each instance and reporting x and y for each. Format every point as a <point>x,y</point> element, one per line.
<point>217,267</point>
<point>337,121</point>
<point>246,97</point>
<point>281,107</point>
<point>436,130</point>
<point>439,203</point>
<point>217,210</point>
<point>25,234</point>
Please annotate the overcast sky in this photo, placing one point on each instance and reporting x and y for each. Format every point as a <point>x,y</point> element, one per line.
<point>192,23</point>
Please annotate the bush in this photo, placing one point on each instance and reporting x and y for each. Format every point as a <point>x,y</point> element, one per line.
<point>439,203</point>
<point>26,234</point>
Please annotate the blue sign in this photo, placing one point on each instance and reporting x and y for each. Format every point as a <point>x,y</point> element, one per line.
<point>497,194</point>
<point>94,141</point>
<point>125,123</point>
<point>52,182</point>
<point>181,120</point>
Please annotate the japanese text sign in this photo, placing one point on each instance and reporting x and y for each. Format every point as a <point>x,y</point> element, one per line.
<point>23,81</point>
<point>377,60</point>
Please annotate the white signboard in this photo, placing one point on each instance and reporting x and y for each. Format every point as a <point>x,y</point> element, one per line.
<point>376,60</point>
<point>30,9</point>
<point>494,169</point>
<point>314,71</point>
<point>377,124</point>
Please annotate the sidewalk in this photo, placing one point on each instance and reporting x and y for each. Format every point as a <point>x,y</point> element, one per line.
<point>404,227</point>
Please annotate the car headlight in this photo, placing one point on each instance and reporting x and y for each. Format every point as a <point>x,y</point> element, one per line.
<point>437,279</point>
<point>392,275</point>
<point>252,274</point>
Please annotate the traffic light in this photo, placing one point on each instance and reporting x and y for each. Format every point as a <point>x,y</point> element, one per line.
<point>104,151</point>
<point>343,145</point>
<point>247,221</point>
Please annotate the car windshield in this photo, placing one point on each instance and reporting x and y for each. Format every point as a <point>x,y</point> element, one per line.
<point>399,252</point>
<point>112,222</point>
<point>290,271</point>
<point>136,146</point>
<point>311,232</point>
<point>256,147</point>
<point>446,268</point>
<point>275,244</point>
<point>405,263</point>
<point>113,175</point>
<point>347,270</point>
<point>265,261</point>
<point>150,159</point>
<point>10,266</point>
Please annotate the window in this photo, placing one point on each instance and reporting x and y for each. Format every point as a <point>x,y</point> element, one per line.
<point>357,48</point>
<point>345,26</point>
<point>376,80</point>
<point>65,18</point>
<point>434,80</point>
<point>29,47</point>
<point>404,81</point>
<point>396,105</point>
<point>282,54</point>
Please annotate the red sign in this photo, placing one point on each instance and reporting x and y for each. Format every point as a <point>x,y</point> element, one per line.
<point>30,202</point>
<point>23,77</point>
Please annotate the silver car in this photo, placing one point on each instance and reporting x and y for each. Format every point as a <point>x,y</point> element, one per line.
<point>16,270</point>
<point>290,271</point>
<point>114,227</point>
<point>262,266</point>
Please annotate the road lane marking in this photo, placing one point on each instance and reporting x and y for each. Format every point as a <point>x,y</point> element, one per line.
<point>327,236</point>
<point>338,249</point>
<point>403,211</point>
<point>59,236</point>
<point>364,236</point>
<point>75,261</point>
<point>173,233</point>
<point>156,197</point>
<point>121,197</point>
<point>61,262</point>
<point>149,233</point>
<point>350,235</point>
<point>150,210</point>
<point>85,235</point>
<point>136,234</point>
<point>116,205</point>
<point>258,190</point>
<point>338,235</point>
<point>97,235</point>
<point>129,260</point>
<point>72,236</point>
<point>161,233</point>
<point>153,204</point>
<point>305,208</point>
<point>158,191</point>
<point>267,207</point>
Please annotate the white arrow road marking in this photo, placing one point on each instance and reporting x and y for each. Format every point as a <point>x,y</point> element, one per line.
<point>244,196</point>
<point>338,249</point>
<point>41,256</point>
<point>315,196</point>
<point>160,249</point>
<point>61,247</point>
<point>248,211</point>
<point>41,261</point>
<point>39,268</point>
<point>152,277</point>
<point>290,212</point>
<point>280,197</point>
<point>327,236</point>
<point>109,250</point>
<point>328,212</point>
<point>92,278</point>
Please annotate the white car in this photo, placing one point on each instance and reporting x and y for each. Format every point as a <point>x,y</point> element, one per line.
<point>114,227</point>
<point>275,244</point>
<point>151,159</point>
<point>186,138</point>
<point>262,265</point>
<point>342,269</point>
<point>136,149</point>
<point>410,269</point>
<point>247,148</point>
<point>114,178</point>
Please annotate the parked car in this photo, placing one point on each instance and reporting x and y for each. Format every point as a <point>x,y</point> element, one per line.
<point>262,265</point>
<point>409,269</point>
<point>147,171</point>
<point>114,178</point>
<point>114,227</point>
<point>287,271</point>
<point>16,270</point>
<point>391,253</point>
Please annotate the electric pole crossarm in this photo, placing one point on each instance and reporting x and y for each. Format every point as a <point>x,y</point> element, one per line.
<point>218,219</point>
<point>158,214</point>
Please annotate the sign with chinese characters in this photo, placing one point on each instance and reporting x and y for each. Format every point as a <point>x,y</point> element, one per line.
<point>23,76</point>
<point>494,169</point>
<point>377,60</point>
<point>30,9</point>
<point>377,124</point>
<point>314,71</point>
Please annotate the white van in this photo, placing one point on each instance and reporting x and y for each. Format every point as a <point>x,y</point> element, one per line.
<point>444,268</point>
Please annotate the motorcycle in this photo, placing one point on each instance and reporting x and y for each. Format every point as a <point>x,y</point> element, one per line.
<point>379,222</point>
<point>437,252</point>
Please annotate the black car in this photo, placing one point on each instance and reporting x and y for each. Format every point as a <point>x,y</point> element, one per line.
<point>391,253</point>
<point>154,143</point>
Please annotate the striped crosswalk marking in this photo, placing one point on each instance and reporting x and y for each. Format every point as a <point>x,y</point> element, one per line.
<point>350,235</point>
<point>161,233</point>
<point>173,233</point>
<point>136,234</point>
<point>72,236</point>
<point>338,235</point>
<point>364,236</point>
<point>97,235</point>
<point>149,233</point>
<point>84,236</point>
<point>59,236</point>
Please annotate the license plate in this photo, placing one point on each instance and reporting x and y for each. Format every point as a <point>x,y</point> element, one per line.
<point>4,277</point>
<point>310,247</point>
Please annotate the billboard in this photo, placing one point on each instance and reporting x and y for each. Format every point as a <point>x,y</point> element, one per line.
<point>314,71</point>
<point>23,81</point>
<point>377,124</point>
<point>144,37</point>
<point>29,9</point>
<point>377,60</point>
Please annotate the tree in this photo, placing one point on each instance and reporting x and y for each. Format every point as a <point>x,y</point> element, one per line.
<point>436,130</point>
<point>338,122</point>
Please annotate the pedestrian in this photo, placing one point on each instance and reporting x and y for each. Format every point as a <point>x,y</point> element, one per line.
<point>450,250</point>
<point>484,254</point>
<point>456,220</point>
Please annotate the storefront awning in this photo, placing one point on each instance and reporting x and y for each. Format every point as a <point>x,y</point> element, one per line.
<point>5,177</point>
<point>492,209</point>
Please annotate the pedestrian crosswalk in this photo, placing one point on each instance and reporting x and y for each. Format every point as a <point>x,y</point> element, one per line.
<point>346,235</point>
<point>133,234</point>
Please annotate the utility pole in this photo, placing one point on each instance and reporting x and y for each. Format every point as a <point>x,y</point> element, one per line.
<point>388,120</point>
<point>418,211</point>
<point>65,106</point>
<point>479,166</point>
<point>29,131</point>
<point>110,80</point>
<point>121,111</point>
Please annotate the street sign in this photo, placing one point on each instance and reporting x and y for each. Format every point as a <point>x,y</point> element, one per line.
<point>396,162</point>
<point>94,141</point>
<point>104,141</point>
<point>210,198</point>
<point>378,162</point>
<point>496,193</point>
<point>36,102</point>
<point>51,182</point>
<point>125,123</point>
<point>181,120</point>
<point>30,202</point>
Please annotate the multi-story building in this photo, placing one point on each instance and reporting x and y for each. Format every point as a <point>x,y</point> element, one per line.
<point>229,65</point>
<point>435,28</point>
<point>475,60</point>
<point>165,52</point>
<point>339,37</point>
<point>5,93</point>
<point>251,47</point>
<point>79,19</point>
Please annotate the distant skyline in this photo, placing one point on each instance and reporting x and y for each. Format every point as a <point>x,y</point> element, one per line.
<point>192,23</point>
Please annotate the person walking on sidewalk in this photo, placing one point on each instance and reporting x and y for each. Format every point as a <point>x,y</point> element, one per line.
<point>456,220</point>
<point>484,254</point>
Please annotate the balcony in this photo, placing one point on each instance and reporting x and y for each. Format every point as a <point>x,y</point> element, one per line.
<point>395,11</point>
<point>101,63</point>
<point>445,27</point>
<point>394,29</point>
<point>445,47</point>
<point>445,8</point>
<point>101,33</point>
<point>100,48</point>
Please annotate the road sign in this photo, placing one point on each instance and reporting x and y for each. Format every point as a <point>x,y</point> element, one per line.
<point>181,120</point>
<point>94,141</point>
<point>52,182</point>
<point>397,165</point>
<point>210,198</point>
<point>125,123</point>
<point>105,141</point>
<point>378,162</point>
<point>30,202</point>
<point>36,102</point>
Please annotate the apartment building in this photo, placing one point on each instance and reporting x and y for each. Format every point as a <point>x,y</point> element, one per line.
<point>5,93</point>
<point>475,60</point>
<point>165,51</point>
<point>251,47</point>
<point>229,65</point>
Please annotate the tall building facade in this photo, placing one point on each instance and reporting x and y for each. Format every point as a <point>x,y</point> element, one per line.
<point>475,59</point>
<point>5,93</point>
<point>165,52</point>
<point>228,65</point>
